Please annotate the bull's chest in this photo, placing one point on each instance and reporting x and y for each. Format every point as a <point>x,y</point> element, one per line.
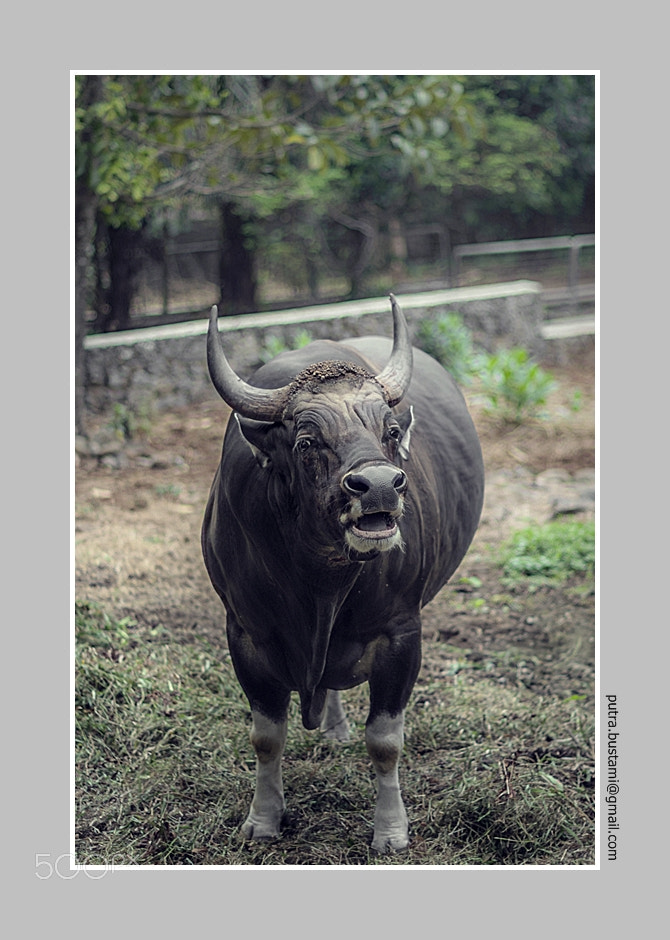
<point>327,642</point>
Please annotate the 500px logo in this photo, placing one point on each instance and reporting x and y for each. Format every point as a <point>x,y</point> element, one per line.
<point>65,867</point>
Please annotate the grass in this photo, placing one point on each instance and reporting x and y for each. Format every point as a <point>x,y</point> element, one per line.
<point>497,769</point>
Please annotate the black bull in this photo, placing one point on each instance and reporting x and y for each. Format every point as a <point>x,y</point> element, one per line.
<point>349,489</point>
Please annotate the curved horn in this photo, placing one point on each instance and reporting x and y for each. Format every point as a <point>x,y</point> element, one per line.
<point>396,375</point>
<point>263,404</point>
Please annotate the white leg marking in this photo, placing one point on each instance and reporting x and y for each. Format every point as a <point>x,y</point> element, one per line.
<point>334,724</point>
<point>267,808</point>
<point>384,741</point>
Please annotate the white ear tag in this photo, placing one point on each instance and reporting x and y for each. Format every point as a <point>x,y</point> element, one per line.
<point>403,446</point>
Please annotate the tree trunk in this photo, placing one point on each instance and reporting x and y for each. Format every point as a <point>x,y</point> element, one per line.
<point>84,233</point>
<point>125,262</point>
<point>237,268</point>
<point>398,251</point>
<point>84,226</point>
<point>355,272</point>
<point>362,238</point>
<point>101,275</point>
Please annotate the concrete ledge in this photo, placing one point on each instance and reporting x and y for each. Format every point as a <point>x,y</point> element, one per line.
<point>568,328</point>
<point>568,338</point>
<point>323,312</point>
<point>165,366</point>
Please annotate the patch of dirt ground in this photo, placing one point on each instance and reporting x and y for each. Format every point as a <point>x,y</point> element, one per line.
<point>138,513</point>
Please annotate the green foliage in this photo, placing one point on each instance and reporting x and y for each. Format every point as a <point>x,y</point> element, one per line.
<point>135,133</point>
<point>530,155</point>
<point>274,345</point>
<point>576,403</point>
<point>514,387</point>
<point>448,340</point>
<point>141,139</point>
<point>128,423</point>
<point>554,552</point>
<point>563,106</point>
<point>170,490</point>
<point>340,155</point>
<point>94,628</point>
<point>511,159</point>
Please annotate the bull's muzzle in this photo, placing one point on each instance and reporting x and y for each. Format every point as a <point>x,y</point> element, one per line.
<point>378,487</point>
<point>375,493</point>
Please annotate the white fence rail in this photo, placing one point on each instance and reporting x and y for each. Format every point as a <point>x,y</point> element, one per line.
<point>574,291</point>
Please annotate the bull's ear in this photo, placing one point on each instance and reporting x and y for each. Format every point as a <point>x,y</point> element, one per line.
<point>257,436</point>
<point>406,421</point>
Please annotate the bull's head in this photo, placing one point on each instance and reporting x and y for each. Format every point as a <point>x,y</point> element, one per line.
<point>332,435</point>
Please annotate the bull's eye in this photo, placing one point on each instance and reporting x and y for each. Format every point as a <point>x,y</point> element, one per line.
<point>303,444</point>
<point>394,433</point>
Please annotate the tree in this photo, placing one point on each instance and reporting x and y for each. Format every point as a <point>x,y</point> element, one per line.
<point>305,179</point>
<point>344,188</point>
<point>528,167</point>
<point>337,159</point>
<point>491,157</point>
<point>237,267</point>
<point>138,140</point>
<point>142,141</point>
<point>84,231</point>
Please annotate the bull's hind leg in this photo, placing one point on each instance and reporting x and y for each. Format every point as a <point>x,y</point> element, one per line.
<point>267,808</point>
<point>334,724</point>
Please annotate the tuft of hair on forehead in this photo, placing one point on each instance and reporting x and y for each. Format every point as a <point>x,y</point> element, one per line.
<point>313,377</point>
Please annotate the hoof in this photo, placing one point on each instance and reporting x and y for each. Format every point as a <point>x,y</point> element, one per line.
<point>256,829</point>
<point>390,843</point>
<point>337,732</point>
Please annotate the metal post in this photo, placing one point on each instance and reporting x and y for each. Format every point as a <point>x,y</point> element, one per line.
<point>573,275</point>
<point>165,273</point>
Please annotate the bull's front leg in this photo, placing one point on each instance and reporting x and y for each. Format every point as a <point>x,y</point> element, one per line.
<point>394,671</point>
<point>384,741</point>
<point>267,808</point>
<point>269,702</point>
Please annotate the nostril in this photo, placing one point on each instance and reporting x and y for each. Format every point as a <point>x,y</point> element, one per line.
<point>355,483</point>
<point>400,482</point>
<point>375,481</point>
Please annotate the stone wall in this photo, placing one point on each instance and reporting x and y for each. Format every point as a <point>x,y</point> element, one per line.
<point>164,367</point>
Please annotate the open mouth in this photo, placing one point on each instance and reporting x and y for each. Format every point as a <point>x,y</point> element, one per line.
<point>375,526</point>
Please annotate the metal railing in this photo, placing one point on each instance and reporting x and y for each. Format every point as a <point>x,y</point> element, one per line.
<point>574,244</point>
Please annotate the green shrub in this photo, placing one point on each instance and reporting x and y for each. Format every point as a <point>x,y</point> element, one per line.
<point>447,339</point>
<point>552,552</point>
<point>274,345</point>
<point>128,423</point>
<point>514,387</point>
